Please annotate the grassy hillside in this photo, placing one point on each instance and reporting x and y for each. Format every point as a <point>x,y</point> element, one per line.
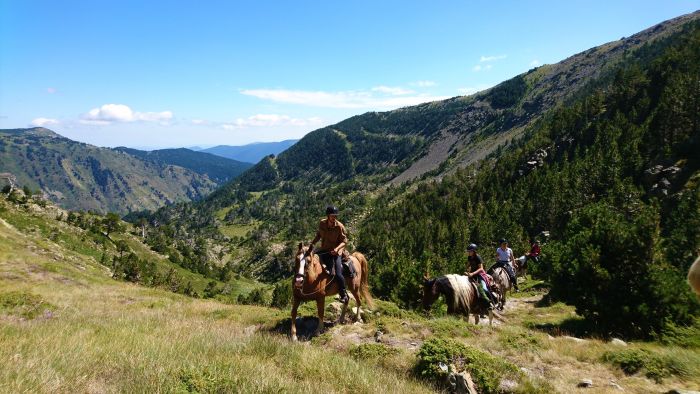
<point>68,326</point>
<point>82,176</point>
<point>218,169</point>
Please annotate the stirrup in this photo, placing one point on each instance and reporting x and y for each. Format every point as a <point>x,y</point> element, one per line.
<point>344,299</point>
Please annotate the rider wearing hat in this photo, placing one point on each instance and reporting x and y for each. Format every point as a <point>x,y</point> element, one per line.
<point>475,271</point>
<point>505,259</point>
<point>333,239</point>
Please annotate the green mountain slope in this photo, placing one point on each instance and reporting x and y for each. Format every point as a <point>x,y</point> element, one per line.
<point>82,176</point>
<point>219,169</point>
<point>613,177</point>
<point>385,155</point>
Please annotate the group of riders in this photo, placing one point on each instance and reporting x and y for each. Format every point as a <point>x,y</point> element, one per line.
<point>333,236</point>
<point>504,259</point>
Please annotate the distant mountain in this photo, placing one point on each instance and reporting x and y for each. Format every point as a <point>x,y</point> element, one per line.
<point>251,153</point>
<point>218,169</point>
<point>81,176</point>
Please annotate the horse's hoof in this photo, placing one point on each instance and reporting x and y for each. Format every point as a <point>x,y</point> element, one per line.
<point>294,338</point>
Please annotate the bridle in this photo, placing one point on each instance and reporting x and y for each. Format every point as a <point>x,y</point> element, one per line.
<point>303,266</point>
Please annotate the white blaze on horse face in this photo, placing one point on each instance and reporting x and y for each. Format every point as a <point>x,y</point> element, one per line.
<point>302,264</point>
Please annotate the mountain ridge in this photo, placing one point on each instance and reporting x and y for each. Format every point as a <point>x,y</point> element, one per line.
<point>82,176</point>
<point>250,153</point>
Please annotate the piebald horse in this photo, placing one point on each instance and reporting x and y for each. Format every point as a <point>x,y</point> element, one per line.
<point>503,285</point>
<point>312,283</point>
<point>460,295</point>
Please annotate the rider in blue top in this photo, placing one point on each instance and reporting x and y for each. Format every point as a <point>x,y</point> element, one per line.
<point>505,259</point>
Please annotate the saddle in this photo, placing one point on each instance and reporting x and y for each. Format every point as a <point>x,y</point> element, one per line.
<point>348,268</point>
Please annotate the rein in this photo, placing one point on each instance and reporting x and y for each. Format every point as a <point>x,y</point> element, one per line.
<point>301,289</point>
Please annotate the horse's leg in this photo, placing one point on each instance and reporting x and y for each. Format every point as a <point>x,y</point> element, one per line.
<point>295,306</point>
<point>320,307</point>
<point>341,319</point>
<point>356,294</point>
<point>490,318</point>
<point>476,318</point>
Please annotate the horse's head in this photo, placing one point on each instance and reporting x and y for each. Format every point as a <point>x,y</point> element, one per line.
<point>301,263</point>
<point>430,292</point>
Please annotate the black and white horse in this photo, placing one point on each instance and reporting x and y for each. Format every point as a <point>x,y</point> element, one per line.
<point>460,294</point>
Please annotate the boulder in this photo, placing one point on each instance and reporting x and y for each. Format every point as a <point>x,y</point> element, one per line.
<point>618,342</point>
<point>585,383</point>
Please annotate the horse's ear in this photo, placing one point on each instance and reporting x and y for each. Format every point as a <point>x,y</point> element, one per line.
<point>301,245</point>
<point>425,275</point>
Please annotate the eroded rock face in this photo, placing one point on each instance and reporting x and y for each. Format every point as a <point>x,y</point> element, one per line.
<point>659,180</point>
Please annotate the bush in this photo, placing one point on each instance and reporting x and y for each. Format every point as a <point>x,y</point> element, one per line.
<point>23,304</point>
<point>256,297</point>
<point>281,294</point>
<point>485,369</point>
<point>654,366</point>
<point>609,267</point>
<point>372,351</point>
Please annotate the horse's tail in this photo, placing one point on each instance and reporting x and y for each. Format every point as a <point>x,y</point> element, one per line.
<point>364,279</point>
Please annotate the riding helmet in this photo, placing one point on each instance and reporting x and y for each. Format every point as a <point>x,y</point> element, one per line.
<point>471,247</point>
<point>502,241</point>
<point>331,210</point>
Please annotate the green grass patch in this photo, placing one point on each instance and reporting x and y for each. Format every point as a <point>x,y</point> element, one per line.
<point>237,230</point>
<point>521,339</point>
<point>654,365</point>
<point>452,327</point>
<point>372,351</point>
<point>23,304</point>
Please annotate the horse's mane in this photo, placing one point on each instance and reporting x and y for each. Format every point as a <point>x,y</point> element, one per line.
<point>463,294</point>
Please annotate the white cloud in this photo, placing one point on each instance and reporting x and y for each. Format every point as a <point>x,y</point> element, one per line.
<point>372,99</point>
<point>43,122</point>
<point>423,84</point>
<point>51,90</point>
<point>535,63</point>
<point>200,121</point>
<point>271,120</point>
<point>479,67</point>
<point>120,113</point>
<point>394,91</point>
<point>492,58</point>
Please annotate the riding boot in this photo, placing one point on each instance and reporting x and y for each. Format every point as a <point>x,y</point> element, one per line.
<point>343,295</point>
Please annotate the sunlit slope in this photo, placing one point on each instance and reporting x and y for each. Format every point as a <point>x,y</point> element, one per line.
<point>67,326</point>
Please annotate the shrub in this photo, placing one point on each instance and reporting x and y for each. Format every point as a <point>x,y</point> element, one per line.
<point>654,366</point>
<point>23,304</point>
<point>281,294</point>
<point>485,369</point>
<point>609,267</point>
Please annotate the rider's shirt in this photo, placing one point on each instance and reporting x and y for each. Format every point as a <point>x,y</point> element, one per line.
<point>474,262</point>
<point>535,251</point>
<point>331,235</point>
<point>504,255</point>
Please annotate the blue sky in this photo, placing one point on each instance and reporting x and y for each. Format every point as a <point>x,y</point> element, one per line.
<point>183,73</point>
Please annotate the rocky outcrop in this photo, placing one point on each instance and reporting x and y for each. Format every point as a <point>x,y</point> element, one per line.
<point>659,180</point>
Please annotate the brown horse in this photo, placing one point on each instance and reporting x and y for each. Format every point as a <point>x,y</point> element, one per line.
<point>312,283</point>
<point>503,285</point>
<point>460,295</point>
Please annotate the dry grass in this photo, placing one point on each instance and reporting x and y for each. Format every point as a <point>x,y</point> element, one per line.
<point>108,336</point>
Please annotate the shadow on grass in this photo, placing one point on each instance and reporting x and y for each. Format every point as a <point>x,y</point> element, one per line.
<point>573,326</point>
<point>306,326</point>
